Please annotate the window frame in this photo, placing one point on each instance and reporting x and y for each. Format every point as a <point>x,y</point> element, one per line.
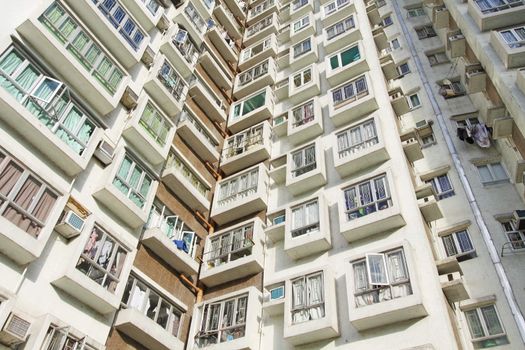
<point>302,48</point>
<point>135,190</point>
<point>357,147</point>
<point>307,163</point>
<point>308,226</point>
<point>340,27</point>
<point>509,228</point>
<point>339,58</point>
<point>230,245</point>
<point>490,168</point>
<point>436,185</point>
<point>480,316</point>
<point>456,245</point>
<point>241,185</point>
<point>306,296</point>
<point>350,91</point>
<point>376,204</point>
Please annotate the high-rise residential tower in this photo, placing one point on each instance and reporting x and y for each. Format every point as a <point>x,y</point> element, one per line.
<point>262,175</point>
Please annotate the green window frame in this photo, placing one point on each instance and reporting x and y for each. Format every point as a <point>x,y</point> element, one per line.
<point>249,105</point>
<point>155,124</point>
<point>133,181</point>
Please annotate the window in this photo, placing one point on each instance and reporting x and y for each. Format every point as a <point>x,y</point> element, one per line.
<point>255,49</point>
<point>297,4</point>
<point>350,91</point>
<point>403,69</point>
<point>488,6</point>
<point>515,237</point>
<point>155,124</point>
<point>152,5</point>
<point>303,161</point>
<point>223,321</point>
<point>195,18</point>
<point>47,99</point>
<point>425,32</point>
<point>243,141</point>
<point>514,37</point>
<point>394,44</point>
<point>277,293</point>
<point>380,277</point>
<point>230,246</point>
<point>65,338</point>
<point>300,24</point>
<point>492,173</point>
<point>140,296</point>
<point>308,298</point>
<point>238,187</point>
<point>303,114</point>
<point>427,140</point>
<point>173,227</point>
<point>133,181</point>
<point>263,6</point>
<point>171,80</point>
<point>387,21</point>
<point>259,26</point>
<point>442,186</point>
<point>467,122</point>
<point>302,48</point>
<point>249,105</point>
<point>413,101</point>
<point>334,6</point>
<point>188,116</point>
<point>485,327</point>
<point>357,138</point>
<point>302,78</point>
<point>119,18</point>
<point>367,197</point>
<point>25,200</point>
<point>345,57</point>
<point>102,259</point>
<point>305,218</point>
<point>340,27</point>
<point>176,162</point>
<point>254,73</point>
<point>458,244</point>
<point>416,12</point>
<point>76,40</point>
<point>437,58</point>
<point>186,46</point>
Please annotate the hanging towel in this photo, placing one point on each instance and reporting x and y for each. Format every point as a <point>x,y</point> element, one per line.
<point>181,245</point>
<point>481,135</point>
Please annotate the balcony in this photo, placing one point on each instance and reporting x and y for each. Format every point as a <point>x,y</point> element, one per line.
<point>456,44</point>
<point>166,87</point>
<point>157,240</point>
<point>305,169</point>
<point>262,29</point>
<point>146,15</point>
<point>220,75</point>
<point>186,182</point>
<point>358,220</point>
<point>379,309</point>
<point>127,47</point>
<point>351,157</point>
<point>512,54</point>
<point>101,91</point>
<point>504,14</point>
<point>276,225</point>
<point>254,79</point>
<point>149,131</point>
<point>223,43</point>
<point>345,64</point>
<point>399,102</point>
<point>348,105</point>
<point>247,148</point>
<point>411,146</point>
<point>312,235</point>
<point>39,122</point>
<point>296,34</point>
<point>240,195</point>
<point>209,101</point>
<point>453,287</point>
<point>262,10</point>
<point>227,20</point>
<point>305,121</point>
<point>273,298</point>
<point>147,332</point>
<point>182,53</point>
<point>322,327</point>
<point>229,256</point>
<point>244,334</point>
<point>191,20</point>
<point>338,11</point>
<point>304,84</point>
<point>429,208</point>
<point>341,34</point>
<point>303,54</point>
<point>251,110</point>
<point>278,169</point>
<point>298,8</point>
<point>200,139</point>
<point>258,52</point>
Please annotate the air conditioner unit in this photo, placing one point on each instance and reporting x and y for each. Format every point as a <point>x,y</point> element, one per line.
<point>421,123</point>
<point>519,217</point>
<point>104,152</point>
<point>15,330</point>
<point>456,37</point>
<point>71,224</point>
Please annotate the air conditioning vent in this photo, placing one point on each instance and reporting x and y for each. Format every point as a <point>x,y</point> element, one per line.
<point>15,330</point>
<point>519,217</point>
<point>104,152</point>
<point>421,123</point>
<point>71,224</point>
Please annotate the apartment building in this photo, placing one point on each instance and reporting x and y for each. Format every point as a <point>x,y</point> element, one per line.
<point>264,174</point>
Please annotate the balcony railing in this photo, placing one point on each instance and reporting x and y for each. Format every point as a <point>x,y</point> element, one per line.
<point>177,231</point>
<point>186,116</point>
<point>211,94</point>
<point>231,251</point>
<point>175,162</point>
<point>185,47</point>
<point>244,146</point>
<point>259,26</point>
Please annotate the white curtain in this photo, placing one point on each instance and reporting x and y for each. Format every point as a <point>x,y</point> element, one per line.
<point>315,296</point>
<point>312,213</point>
